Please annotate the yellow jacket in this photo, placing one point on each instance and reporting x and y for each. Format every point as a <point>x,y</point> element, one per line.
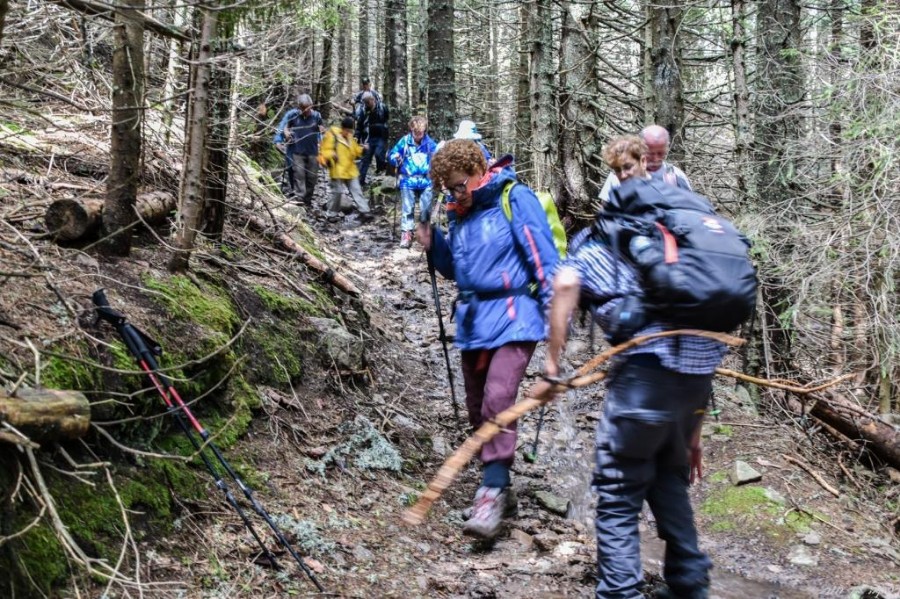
<point>339,154</point>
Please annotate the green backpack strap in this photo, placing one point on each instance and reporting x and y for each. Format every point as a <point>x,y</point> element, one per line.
<point>546,200</point>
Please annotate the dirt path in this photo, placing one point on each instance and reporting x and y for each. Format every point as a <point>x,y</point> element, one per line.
<point>547,555</point>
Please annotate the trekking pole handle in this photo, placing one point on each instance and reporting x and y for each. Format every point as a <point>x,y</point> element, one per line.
<point>104,311</point>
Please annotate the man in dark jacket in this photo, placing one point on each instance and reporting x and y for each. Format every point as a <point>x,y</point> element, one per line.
<point>372,130</point>
<point>300,129</point>
<point>648,441</point>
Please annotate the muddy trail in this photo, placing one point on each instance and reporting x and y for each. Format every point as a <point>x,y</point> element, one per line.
<point>780,536</point>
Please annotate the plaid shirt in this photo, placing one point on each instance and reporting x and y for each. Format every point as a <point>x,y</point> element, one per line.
<point>597,268</point>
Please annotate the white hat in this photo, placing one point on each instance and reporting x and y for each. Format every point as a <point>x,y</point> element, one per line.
<point>467,130</point>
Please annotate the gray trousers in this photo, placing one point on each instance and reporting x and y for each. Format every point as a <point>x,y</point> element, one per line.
<point>642,454</point>
<point>306,171</point>
<point>337,190</point>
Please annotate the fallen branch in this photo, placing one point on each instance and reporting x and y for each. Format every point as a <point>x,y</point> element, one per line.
<point>69,219</point>
<point>284,241</point>
<point>46,413</point>
<point>583,377</point>
<point>818,477</point>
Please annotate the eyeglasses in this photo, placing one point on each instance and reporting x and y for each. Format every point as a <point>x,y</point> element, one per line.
<point>459,188</point>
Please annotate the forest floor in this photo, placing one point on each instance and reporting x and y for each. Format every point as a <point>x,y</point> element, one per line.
<point>783,536</point>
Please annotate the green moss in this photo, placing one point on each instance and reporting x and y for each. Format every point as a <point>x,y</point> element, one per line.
<point>723,429</point>
<point>278,303</point>
<point>207,306</point>
<point>61,373</point>
<point>40,554</point>
<point>281,360</point>
<point>745,508</point>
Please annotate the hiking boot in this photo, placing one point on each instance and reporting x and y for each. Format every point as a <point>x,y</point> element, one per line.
<point>487,513</point>
<point>333,218</point>
<point>668,593</point>
<point>365,217</point>
<point>406,239</point>
<point>510,509</point>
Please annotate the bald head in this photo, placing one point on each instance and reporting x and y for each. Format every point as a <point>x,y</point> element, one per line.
<point>657,140</point>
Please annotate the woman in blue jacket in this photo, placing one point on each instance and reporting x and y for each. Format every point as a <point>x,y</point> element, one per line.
<point>502,269</point>
<point>412,156</point>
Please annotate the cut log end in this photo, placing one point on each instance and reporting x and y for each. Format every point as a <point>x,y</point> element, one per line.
<point>69,219</point>
<point>46,414</point>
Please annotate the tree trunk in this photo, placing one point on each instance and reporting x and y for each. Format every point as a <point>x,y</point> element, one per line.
<point>523,99</point>
<point>46,414</point>
<point>441,69</point>
<point>125,139</point>
<point>741,100</point>
<point>579,147</point>
<point>216,180</point>
<point>543,107</point>
<point>323,85</point>
<point>363,40</point>
<point>665,69</point>
<point>4,8</point>
<point>168,96</point>
<point>191,193</point>
<point>68,220</point>
<point>397,93</point>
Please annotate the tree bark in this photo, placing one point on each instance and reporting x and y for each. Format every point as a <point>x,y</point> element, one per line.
<point>665,73</point>
<point>69,220</point>
<point>543,104</point>
<point>523,99</point>
<point>441,69</point>
<point>323,85</point>
<point>216,181</point>
<point>46,414</point>
<point>125,135</point>
<point>579,148</point>
<point>363,38</point>
<point>741,99</point>
<point>4,8</point>
<point>397,93</point>
<point>191,193</point>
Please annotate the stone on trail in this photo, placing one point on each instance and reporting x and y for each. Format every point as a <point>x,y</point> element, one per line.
<point>522,538</point>
<point>812,538</point>
<point>439,446</point>
<point>336,344</point>
<point>801,556</point>
<point>553,503</point>
<point>743,473</point>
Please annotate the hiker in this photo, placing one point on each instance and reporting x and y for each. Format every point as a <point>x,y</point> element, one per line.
<point>412,157</point>
<point>656,139</point>
<point>366,84</point>
<point>501,267</point>
<point>468,130</point>
<point>372,132</point>
<point>299,132</point>
<point>339,152</point>
<point>648,440</point>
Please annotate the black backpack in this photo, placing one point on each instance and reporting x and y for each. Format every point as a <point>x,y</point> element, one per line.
<point>694,265</point>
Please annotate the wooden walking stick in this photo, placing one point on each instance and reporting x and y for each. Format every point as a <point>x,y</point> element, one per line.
<point>583,377</point>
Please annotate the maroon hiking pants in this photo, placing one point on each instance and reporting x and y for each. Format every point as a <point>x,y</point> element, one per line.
<point>492,378</point>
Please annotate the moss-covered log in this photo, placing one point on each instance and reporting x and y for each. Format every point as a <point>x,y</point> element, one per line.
<point>46,414</point>
<point>69,219</point>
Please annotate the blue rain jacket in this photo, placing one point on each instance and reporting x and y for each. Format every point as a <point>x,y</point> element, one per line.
<point>414,161</point>
<point>494,260</point>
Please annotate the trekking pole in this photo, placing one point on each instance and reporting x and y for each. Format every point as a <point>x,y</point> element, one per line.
<point>441,332</point>
<point>531,456</point>
<point>144,349</point>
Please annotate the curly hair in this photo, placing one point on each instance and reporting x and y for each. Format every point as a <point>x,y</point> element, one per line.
<point>626,146</point>
<point>457,155</point>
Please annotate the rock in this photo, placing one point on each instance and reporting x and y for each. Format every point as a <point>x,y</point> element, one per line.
<point>551,502</point>
<point>546,541</point>
<point>88,262</point>
<point>743,473</point>
<point>423,547</point>
<point>720,438</point>
<point>439,446</point>
<point>774,496</point>
<point>522,538</point>
<point>338,346</point>
<point>893,474</point>
<point>361,554</point>
<point>812,538</point>
<point>408,428</point>
<point>801,556</point>
<point>567,548</point>
<point>774,568</point>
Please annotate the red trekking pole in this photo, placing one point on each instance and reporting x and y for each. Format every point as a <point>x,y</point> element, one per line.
<point>145,350</point>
